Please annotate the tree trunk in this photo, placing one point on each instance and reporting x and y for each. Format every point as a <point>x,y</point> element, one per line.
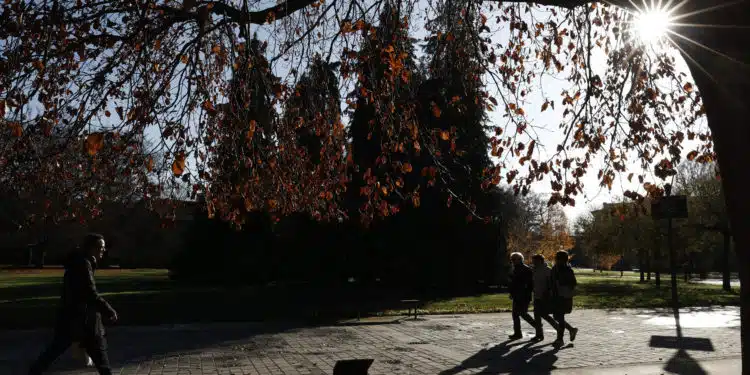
<point>658,279</point>
<point>723,82</point>
<point>726,277</point>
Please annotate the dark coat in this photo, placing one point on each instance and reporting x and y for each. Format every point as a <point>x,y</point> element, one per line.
<point>521,283</point>
<point>81,306</point>
<point>563,281</point>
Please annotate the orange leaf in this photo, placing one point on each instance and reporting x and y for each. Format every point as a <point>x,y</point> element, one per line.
<point>16,129</point>
<point>251,130</point>
<point>94,143</point>
<point>150,164</point>
<point>407,167</point>
<point>216,49</point>
<point>415,200</point>
<point>178,165</point>
<point>688,87</point>
<point>272,203</point>
<point>544,106</point>
<point>444,135</point>
<point>436,110</point>
<point>157,44</point>
<point>184,59</point>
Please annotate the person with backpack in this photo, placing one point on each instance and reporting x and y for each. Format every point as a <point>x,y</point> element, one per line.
<point>79,319</point>
<point>563,283</point>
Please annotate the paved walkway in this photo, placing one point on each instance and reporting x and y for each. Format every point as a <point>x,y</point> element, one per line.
<point>444,345</point>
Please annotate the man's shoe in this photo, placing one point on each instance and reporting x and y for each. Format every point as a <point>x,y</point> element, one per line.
<point>515,336</point>
<point>558,343</point>
<point>538,338</point>
<point>573,333</point>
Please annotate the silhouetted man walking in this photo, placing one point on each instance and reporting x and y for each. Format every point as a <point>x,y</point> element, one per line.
<point>521,287</point>
<point>80,312</point>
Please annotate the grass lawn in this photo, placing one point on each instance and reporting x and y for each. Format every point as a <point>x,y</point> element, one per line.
<point>28,298</point>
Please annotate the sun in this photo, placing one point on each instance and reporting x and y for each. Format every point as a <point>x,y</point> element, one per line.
<point>652,25</point>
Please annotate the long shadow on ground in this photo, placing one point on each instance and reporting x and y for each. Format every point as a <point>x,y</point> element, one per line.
<point>516,358</point>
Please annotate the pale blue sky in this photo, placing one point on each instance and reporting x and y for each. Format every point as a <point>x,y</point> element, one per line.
<point>545,123</point>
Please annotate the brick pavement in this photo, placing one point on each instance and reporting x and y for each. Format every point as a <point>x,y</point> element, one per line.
<point>445,345</point>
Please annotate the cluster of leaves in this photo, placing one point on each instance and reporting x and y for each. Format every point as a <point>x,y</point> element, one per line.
<point>189,77</point>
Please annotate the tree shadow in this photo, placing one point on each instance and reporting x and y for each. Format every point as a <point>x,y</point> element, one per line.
<point>512,357</point>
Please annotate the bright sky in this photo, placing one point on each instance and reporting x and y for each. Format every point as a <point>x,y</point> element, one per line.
<point>545,123</point>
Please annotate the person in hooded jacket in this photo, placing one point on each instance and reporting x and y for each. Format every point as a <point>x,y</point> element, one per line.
<point>79,316</point>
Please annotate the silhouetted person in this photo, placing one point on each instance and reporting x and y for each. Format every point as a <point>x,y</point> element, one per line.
<point>80,312</point>
<point>542,295</point>
<point>521,287</point>
<point>563,282</point>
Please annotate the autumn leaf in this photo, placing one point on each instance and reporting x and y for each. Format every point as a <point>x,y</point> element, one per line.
<point>415,200</point>
<point>94,143</point>
<point>688,87</point>
<point>493,100</point>
<point>184,59</point>
<point>544,106</point>
<point>444,135</point>
<point>272,204</point>
<point>178,165</point>
<point>436,110</point>
<point>251,129</point>
<point>15,129</point>
<point>150,164</point>
<point>2,109</point>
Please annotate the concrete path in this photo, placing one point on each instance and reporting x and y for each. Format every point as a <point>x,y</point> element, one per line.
<point>610,342</point>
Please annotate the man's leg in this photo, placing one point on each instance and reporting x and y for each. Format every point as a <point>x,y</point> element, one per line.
<point>97,349</point>
<point>538,318</point>
<point>60,343</point>
<point>516,320</point>
<point>551,321</point>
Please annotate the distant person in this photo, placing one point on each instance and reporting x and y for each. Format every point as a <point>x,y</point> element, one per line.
<point>80,311</point>
<point>563,283</point>
<point>521,288</point>
<point>542,295</point>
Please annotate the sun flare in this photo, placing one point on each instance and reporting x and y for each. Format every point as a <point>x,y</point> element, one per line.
<point>652,25</point>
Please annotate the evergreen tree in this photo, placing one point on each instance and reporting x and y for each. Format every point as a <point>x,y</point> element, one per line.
<point>452,102</point>
<point>383,163</point>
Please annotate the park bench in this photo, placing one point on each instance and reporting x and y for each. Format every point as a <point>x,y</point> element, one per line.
<point>412,304</point>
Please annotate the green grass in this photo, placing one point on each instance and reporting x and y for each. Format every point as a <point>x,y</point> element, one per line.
<point>28,299</point>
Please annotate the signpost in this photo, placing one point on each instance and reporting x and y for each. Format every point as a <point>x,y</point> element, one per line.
<point>671,207</point>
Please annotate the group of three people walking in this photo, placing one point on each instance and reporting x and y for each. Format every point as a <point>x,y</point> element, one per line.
<point>552,289</point>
